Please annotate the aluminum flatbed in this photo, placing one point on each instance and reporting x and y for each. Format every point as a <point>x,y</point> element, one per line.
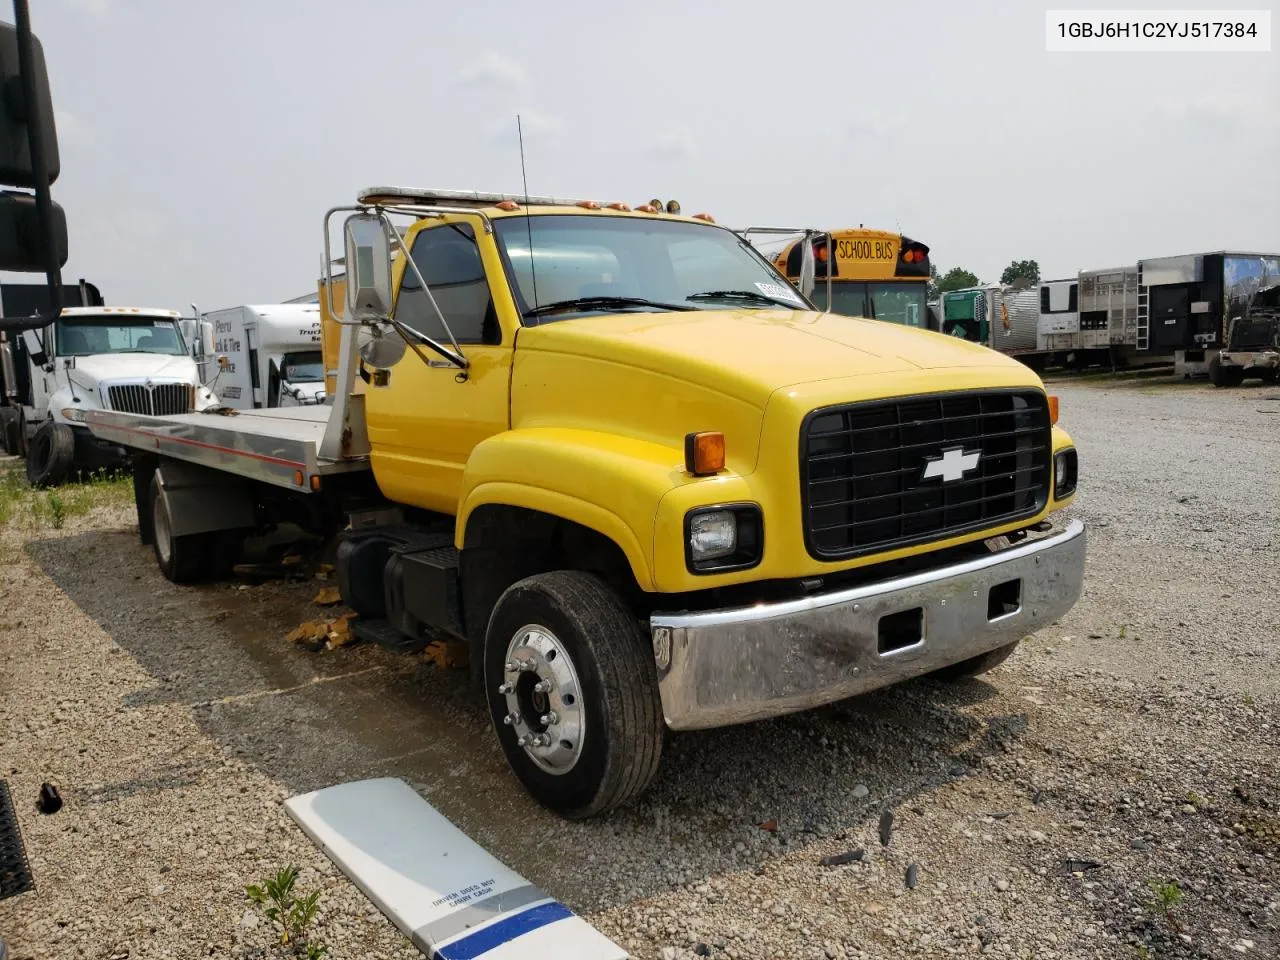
<point>280,446</point>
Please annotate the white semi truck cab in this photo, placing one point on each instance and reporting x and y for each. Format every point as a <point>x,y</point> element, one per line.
<point>128,359</point>
<point>265,355</point>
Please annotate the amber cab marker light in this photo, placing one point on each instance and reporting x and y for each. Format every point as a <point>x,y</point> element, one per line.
<point>704,453</point>
<point>508,205</point>
<point>1053,410</point>
<point>315,481</point>
<point>704,216</point>
<point>297,478</point>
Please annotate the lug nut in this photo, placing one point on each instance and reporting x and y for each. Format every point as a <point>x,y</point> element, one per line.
<point>524,741</point>
<point>549,718</point>
<point>542,740</point>
<point>527,665</point>
<point>506,688</point>
<point>510,666</point>
<point>512,719</point>
<point>542,686</point>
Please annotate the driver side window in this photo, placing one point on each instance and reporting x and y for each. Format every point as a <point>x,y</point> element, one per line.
<point>450,263</point>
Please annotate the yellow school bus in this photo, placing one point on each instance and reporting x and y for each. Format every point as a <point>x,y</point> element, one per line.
<point>872,273</point>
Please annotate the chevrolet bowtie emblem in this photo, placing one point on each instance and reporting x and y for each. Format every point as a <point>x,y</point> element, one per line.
<point>952,465</point>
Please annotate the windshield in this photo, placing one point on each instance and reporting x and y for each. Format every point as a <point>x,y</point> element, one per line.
<point>894,302</point>
<point>652,264</point>
<point>307,367</point>
<point>87,336</point>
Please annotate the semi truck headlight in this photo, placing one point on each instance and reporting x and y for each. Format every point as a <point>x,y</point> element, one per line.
<point>723,538</point>
<point>75,414</point>
<point>1065,472</point>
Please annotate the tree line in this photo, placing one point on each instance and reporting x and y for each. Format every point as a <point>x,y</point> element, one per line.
<point>958,278</point>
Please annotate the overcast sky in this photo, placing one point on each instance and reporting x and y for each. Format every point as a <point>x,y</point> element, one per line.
<point>202,142</point>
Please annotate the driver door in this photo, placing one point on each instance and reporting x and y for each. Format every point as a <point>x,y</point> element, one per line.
<point>426,418</point>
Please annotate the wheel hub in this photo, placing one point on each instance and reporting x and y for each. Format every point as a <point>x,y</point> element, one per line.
<point>543,699</point>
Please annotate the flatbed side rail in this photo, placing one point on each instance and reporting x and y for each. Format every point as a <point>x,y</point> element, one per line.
<point>234,445</point>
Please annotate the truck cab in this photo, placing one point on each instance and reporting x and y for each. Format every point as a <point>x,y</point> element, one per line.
<point>130,359</point>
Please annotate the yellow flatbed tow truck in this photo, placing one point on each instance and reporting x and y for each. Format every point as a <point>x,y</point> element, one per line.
<point>620,456</point>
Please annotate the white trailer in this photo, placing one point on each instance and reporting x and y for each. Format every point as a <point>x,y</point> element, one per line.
<point>266,355</point>
<point>1058,324</point>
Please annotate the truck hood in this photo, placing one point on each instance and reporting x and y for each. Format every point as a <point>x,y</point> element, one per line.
<point>749,354</point>
<point>89,371</point>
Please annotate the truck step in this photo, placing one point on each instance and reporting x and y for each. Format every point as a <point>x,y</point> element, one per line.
<point>385,635</point>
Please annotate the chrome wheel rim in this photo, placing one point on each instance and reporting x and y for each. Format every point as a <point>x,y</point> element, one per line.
<point>160,525</point>
<point>543,699</point>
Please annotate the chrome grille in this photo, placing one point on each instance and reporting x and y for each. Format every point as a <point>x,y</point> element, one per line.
<point>863,469</point>
<point>156,400</point>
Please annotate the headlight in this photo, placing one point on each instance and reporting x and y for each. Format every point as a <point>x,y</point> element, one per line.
<point>720,538</point>
<point>74,414</point>
<point>1065,472</point>
<point>712,535</point>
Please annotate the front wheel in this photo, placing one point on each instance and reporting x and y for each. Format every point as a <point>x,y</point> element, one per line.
<point>51,455</point>
<point>1221,376</point>
<point>976,665</point>
<point>573,693</point>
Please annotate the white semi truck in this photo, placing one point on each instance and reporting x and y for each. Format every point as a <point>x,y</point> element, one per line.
<point>129,359</point>
<point>266,355</point>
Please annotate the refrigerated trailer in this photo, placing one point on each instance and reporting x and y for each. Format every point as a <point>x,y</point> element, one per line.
<point>1186,303</point>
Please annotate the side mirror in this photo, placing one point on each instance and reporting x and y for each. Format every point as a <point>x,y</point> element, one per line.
<point>32,340</point>
<point>808,267</point>
<point>206,338</point>
<point>368,267</point>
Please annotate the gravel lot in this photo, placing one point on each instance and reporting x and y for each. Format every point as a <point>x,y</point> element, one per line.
<point>1134,745</point>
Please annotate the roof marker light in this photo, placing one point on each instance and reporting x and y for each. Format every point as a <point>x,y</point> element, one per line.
<point>620,206</point>
<point>704,216</point>
<point>588,204</point>
<point>508,205</point>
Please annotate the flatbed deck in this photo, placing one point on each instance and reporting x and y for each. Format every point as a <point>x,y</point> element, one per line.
<point>279,446</point>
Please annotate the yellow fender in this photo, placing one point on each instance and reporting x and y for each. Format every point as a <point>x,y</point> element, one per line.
<point>607,483</point>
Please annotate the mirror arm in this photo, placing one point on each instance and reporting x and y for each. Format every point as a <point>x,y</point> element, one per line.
<point>457,359</point>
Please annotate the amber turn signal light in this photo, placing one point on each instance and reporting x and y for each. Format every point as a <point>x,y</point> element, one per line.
<point>704,453</point>
<point>1053,410</point>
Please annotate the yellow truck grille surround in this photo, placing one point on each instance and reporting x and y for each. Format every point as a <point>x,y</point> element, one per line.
<point>886,474</point>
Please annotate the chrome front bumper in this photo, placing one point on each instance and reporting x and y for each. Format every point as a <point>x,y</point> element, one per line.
<point>721,667</point>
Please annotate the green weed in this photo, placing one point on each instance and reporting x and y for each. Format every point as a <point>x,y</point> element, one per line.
<point>289,914</point>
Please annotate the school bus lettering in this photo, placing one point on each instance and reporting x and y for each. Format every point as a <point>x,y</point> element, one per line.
<point>866,250</point>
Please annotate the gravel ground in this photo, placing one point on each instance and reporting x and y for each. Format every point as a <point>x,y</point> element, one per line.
<point>1133,749</point>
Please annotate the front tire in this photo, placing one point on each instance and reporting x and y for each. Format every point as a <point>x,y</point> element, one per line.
<point>577,656</point>
<point>974,666</point>
<point>1221,376</point>
<point>180,559</point>
<point>51,455</point>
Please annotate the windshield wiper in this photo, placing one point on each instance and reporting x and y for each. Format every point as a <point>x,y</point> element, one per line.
<point>750,295</point>
<point>590,303</point>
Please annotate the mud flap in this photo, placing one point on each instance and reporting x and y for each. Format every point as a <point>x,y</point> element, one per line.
<point>441,889</point>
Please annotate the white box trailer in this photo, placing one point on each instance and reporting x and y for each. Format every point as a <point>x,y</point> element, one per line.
<point>1058,324</point>
<point>267,355</point>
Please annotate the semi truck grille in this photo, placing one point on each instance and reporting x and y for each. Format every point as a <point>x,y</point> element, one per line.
<point>891,473</point>
<point>157,400</point>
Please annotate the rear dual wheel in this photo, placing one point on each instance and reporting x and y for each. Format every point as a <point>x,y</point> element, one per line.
<point>191,557</point>
<point>573,693</point>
